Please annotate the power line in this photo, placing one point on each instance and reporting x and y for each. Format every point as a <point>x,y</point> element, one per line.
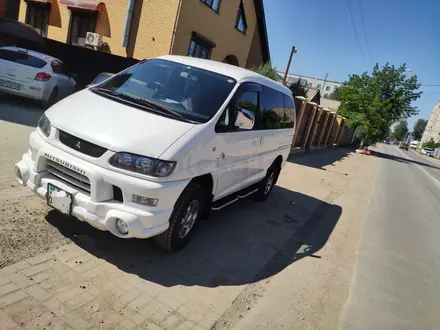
<point>365,31</point>
<point>355,32</point>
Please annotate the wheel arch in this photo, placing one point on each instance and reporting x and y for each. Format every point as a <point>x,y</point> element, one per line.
<point>206,181</point>
<point>278,161</point>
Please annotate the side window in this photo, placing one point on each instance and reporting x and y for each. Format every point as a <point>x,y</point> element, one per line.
<point>241,114</point>
<point>273,109</point>
<point>289,112</point>
<point>58,67</point>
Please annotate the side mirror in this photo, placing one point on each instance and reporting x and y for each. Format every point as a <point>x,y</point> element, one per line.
<point>245,119</point>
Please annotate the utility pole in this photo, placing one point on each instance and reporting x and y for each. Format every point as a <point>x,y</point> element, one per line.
<point>288,64</point>
<point>325,81</point>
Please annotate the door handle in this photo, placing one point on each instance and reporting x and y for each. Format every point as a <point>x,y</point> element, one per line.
<point>262,140</point>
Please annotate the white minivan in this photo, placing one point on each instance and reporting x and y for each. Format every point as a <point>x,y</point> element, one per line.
<point>151,150</point>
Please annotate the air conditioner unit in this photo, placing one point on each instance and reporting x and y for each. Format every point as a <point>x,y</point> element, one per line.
<point>93,39</point>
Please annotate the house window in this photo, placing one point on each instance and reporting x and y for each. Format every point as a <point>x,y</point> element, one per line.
<point>200,46</point>
<point>81,23</point>
<point>318,86</point>
<point>240,22</point>
<point>327,88</point>
<point>309,84</point>
<point>213,4</point>
<point>37,16</point>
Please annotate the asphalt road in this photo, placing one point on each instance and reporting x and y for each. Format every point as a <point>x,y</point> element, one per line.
<point>397,274</point>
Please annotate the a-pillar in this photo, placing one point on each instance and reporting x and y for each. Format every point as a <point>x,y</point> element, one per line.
<point>314,127</point>
<point>299,117</point>
<point>332,120</point>
<point>326,114</point>
<point>309,125</point>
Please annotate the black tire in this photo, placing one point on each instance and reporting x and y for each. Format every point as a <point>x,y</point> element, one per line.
<point>172,239</point>
<point>53,98</point>
<point>266,185</point>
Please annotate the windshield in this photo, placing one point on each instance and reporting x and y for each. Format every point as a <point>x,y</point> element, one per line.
<point>194,93</point>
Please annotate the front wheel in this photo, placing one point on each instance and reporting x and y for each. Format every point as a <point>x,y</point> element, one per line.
<point>189,207</point>
<point>266,185</point>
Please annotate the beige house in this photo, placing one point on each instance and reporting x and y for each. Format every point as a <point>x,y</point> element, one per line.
<point>233,31</point>
<point>432,130</point>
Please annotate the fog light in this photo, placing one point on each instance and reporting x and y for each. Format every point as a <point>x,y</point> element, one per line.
<point>122,226</point>
<point>145,200</point>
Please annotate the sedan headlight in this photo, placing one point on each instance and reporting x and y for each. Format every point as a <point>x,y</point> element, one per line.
<point>142,165</point>
<point>44,125</point>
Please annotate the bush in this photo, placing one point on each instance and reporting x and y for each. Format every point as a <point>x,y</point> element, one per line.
<point>431,145</point>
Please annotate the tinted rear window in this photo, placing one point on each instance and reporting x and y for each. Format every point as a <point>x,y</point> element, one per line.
<point>278,110</point>
<point>21,58</point>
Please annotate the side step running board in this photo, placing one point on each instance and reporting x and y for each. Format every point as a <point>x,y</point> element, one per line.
<point>221,203</point>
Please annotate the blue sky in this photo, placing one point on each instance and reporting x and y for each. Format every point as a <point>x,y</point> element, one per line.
<point>398,31</point>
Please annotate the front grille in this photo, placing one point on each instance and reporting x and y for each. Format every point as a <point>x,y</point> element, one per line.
<point>67,175</point>
<point>81,145</point>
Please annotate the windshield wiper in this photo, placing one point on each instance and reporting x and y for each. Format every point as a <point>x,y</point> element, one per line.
<point>148,104</point>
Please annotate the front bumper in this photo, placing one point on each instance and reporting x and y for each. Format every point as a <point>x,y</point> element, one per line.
<point>98,206</point>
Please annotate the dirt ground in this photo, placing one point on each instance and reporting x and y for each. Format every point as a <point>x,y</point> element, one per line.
<point>25,232</point>
<point>285,263</point>
<point>311,290</point>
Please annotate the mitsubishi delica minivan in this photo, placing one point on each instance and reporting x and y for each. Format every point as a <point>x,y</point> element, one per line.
<point>150,151</point>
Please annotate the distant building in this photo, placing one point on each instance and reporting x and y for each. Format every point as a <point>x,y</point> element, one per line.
<point>326,87</point>
<point>330,104</point>
<point>432,130</point>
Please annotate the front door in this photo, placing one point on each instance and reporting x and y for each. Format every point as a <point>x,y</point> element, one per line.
<point>237,140</point>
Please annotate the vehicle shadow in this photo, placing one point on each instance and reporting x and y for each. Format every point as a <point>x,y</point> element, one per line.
<point>241,244</point>
<point>20,110</point>
<point>401,159</point>
<point>321,158</point>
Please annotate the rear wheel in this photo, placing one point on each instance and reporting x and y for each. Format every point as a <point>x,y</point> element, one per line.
<point>187,211</point>
<point>266,185</point>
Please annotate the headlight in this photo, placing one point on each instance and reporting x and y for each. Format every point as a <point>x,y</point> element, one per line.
<point>142,165</point>
<point>44,125</point>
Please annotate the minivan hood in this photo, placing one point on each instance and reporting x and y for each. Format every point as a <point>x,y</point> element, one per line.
<point>114,125</point>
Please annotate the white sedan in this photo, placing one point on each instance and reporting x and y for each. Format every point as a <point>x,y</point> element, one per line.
<point>34,75</point>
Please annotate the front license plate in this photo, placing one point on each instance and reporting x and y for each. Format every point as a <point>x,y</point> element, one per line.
<point>59,199</point>
<point>8,84</point>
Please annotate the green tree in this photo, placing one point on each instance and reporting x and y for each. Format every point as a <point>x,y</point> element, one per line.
<point>401,130</point>
<point>336,95</point>
<point>373,102</point>
<point>298,89</point>
<point>419,128</point>
<point>267,70</point>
